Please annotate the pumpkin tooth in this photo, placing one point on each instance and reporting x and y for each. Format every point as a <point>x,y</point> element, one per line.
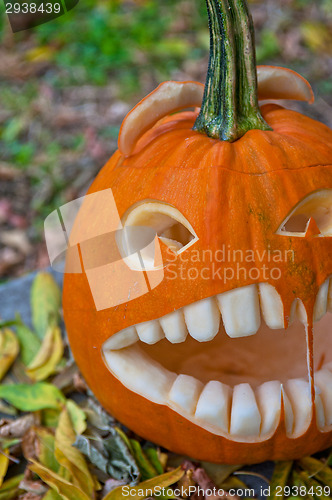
<point>174,327</point>
<point>245,415</point>
<point>319,409</point>
<point>323,379</point>
<point>299,312</point>
<point>299,394</point>
<point>185,392</point>
<point>240,311</point>
<point>288,412</point>
<point>139,373</point>
<point>321,301</point>
<point>202,319</point>
<point>150,332</point>
<point>268,397</point>
<point>122,339</point>
<point>214,405</point>
<point>271,306</point>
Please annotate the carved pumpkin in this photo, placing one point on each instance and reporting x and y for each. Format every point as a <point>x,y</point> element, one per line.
<point>228,357</point>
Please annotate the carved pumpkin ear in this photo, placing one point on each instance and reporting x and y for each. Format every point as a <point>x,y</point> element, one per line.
<point>149,218</point>
<point>311,217</point>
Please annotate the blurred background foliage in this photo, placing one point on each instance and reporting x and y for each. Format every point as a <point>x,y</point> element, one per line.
<point>65,87</point>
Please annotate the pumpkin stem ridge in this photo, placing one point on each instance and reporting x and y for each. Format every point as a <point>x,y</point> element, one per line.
<point>230,103</point>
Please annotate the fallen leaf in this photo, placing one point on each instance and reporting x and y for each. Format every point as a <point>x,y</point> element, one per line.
<point>144,489</point>
<point>39,444</point>
<point>147,470</point>
<point>52,495</point>
<point>97,416</point>
<point>7,409</point>
<point>17,428</point>
<point>279,479</point>
<point>154,457</point>
<point>35,397</point>
<point>9,488</point>
<point>317,469</point>
<point>123,463</point>
<point>40,54</point>
<point>111,455</point>
<point>8,259</point>
<point>67,490</point>
<point>204,481</point>
<point>50,418</point>
<point>34,488</point>
<point>64,379</point>
<point>311,484</point>
<point>17,239</point>
<point>45,303</point>
<point>47,358</point>
<point>9,349</point>
<point>111,484</point>
<point>70,457</point>
<point>28,340</point>
<point>4,463</point>
<point>77,417</point>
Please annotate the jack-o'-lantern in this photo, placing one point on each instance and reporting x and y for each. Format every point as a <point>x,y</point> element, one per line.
<point>227,354</point>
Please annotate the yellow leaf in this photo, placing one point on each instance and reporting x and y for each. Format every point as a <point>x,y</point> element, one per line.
<point>45,303</point>
<point>40,54</point>
<point>9,349</point>
<point>48,356</point>
<point>317,36</point>
<point>147,488</point>
<point>71,458</point>
<point>67,490</point>
<point>4,462</point>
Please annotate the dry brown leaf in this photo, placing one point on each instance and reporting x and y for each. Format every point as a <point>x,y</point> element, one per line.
<point>17,428</point>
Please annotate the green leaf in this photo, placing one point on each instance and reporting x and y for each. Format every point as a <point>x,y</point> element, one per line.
<point>45,303</point>
<point>152,455</point>
<point>279,478</point>
<point>50,417</point>
<point>147,470</point>
<point>46,447</point>
<point>123,463</point>
<point>29,342</point>
<point>97,457</point>
<point>298,481</point>
<point>143,490</point>
<point>32,397</point>
<point>9,488</point>
<point>77,416</point>
<point>110,455</point>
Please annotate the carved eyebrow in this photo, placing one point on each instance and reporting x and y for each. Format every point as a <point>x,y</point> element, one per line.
<point>162,220</point>
<point>312,214</point>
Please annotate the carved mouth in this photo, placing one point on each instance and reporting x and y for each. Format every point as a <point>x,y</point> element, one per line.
<point>227,364</point>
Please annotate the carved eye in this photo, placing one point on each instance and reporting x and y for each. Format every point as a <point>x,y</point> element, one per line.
<point>313,214</point>
<point>148,219</point>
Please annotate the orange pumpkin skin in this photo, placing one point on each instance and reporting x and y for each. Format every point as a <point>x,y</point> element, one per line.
<point>233,194</point>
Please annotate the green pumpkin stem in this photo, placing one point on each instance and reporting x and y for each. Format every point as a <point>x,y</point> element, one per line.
<point>230,103</point>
